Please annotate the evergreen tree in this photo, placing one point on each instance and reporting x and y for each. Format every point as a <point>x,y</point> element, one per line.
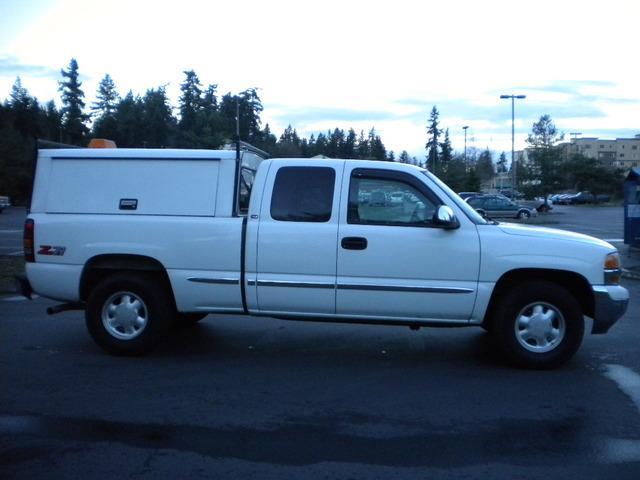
<point>404,157</point>
<point>130,122</point>
<point>268,141</point>
<point>446,156</point>
<point>473,181</point>
<point>250,110</point>
<point>584,173</point>
<point>73,118</point>
<point>377,149</point>
<point>51,122</point>
<point>434,132</point>
<point>24,111</point>
<point>320,145</point>
<point>336,140</point>
<point>190,102</point>
<point>456,176</point>
<point>105,109</point>
<point>348,149</point>
<point>544,172</point>
<point>248,106</point>
<point>107,98</point>
<point>484,166</point>
<point>289,143</point>
<point>157,119</point>
<point>502,163</point>
<point>363,148</point>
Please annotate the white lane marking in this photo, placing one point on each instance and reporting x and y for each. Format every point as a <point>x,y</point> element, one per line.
<point>10,231</point>
<point>628,381</point>
<point>613,240</point>
<point>16,254</point>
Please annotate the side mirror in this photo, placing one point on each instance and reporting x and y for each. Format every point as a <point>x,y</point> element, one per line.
<point>445,218</point>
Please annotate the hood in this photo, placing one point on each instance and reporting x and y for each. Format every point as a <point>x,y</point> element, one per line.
<point>544,232</point>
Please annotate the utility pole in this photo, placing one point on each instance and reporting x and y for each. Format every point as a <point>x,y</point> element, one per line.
<point>465,144</point>
<point>514,180</point>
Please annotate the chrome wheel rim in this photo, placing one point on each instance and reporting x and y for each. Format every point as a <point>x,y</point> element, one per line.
<point>124,315</point>
<point>540,327</point>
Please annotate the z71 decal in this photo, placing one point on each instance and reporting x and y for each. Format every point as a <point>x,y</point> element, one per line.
<point>49,250</point>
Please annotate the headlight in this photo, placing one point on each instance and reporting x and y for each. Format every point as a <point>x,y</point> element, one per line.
<point>612,269</point>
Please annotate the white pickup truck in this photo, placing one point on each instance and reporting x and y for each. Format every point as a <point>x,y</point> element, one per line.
<point>144,238</point>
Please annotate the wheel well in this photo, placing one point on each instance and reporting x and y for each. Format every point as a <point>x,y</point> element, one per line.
<point>574,282</point>
<point>101,266</point>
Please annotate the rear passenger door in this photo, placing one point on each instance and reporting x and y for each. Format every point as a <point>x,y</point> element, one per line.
<point>297,238</point>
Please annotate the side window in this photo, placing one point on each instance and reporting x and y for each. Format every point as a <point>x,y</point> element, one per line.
<point>386,201</point>
<point>246,183</point>
<point>492,203</point>
<point>303,194</point>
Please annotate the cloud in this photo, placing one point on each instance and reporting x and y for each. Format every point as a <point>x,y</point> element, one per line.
<point>11,67</point>
<point>302,116</point>
<point>566,86</point>
<point>611,132</point>
<point>526,110</point>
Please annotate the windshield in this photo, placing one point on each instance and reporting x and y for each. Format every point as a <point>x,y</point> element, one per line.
<point>464,206</point>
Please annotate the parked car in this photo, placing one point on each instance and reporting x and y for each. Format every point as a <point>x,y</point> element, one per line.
<point>378,198</point>
<point>542,206</point>
<point>5,202</point>
<point>581,198</point>
<point>397,198</point>
<point>512,195</point>
<point>563,198</point>
<point>465,195</point>
<point>498,206</point>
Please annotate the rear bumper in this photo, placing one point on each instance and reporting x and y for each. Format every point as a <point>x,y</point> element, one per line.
<point>611,303</point>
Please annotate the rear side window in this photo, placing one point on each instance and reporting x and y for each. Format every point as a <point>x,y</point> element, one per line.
<point>246,182</point>
<point>303,194</point>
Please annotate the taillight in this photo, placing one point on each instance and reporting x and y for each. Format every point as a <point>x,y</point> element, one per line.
<point>27,240</point>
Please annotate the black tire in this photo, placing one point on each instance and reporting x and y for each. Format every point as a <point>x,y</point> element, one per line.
<point>121,291</point>
<point>523,214</point>
<point>184,320</point>
<point>559,322</point>
<point>543,208</point>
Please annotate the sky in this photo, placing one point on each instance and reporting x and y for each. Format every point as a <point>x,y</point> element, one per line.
<point>360,64</point>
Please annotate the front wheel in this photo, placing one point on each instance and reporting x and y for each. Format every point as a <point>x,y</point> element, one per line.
<point>524,215</point>
<point>129,313</point>
<point>538,324</point>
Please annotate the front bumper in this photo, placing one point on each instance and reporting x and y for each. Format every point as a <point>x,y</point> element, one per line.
<point>611,303</point>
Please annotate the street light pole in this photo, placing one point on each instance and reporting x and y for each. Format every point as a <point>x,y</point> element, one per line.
<point>513,140</point>
<point>465,143</point>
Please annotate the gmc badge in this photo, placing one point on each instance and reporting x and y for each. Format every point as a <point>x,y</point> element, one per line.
<point>128,203</point>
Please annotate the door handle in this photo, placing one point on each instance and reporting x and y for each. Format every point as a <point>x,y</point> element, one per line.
<point>354,243</point>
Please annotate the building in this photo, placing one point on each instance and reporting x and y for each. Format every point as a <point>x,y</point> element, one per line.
<point>621,153</point>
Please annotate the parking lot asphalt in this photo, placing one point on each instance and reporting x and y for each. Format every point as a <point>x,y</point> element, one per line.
<point>244,397</point>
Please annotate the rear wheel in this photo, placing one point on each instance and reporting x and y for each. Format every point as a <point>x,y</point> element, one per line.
<point>538,324</point>
<point>128,313</point>
<point>524,214</point>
